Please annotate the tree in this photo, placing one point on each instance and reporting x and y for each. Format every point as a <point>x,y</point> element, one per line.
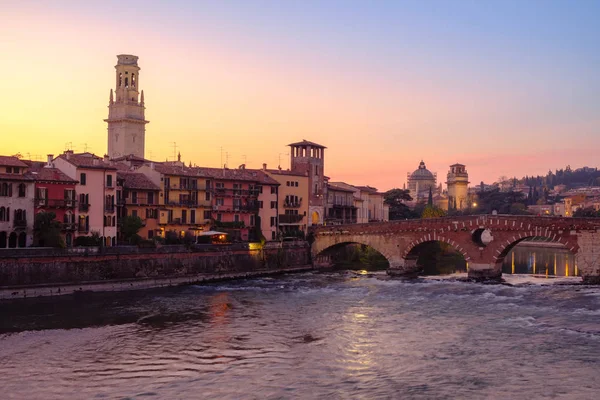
<point>395,199</point>
<point>430,198</point>
<point>47,230</point>
<point>130,226</point>
<point>433,212</point>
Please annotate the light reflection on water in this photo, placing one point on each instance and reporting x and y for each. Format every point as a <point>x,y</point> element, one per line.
<point>549,261</point>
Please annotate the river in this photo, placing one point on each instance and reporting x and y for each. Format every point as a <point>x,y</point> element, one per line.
<point>311,335</point>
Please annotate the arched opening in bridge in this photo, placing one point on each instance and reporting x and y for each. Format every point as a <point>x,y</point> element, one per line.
<point>437,258</point>
<point>538,256</point>
<point>355,256</point>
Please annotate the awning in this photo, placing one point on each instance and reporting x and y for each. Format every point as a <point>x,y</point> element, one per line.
<point>211,233</point>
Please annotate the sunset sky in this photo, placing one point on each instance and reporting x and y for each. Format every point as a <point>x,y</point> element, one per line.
<point>505,87</point>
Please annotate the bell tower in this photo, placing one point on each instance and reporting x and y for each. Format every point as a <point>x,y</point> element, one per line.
<point>126,121</point>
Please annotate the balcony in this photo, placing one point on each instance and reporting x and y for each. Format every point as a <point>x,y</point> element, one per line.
<point>109,208</point>
<point>293,204</point>
<point>20,223</point>
<point>220,192</point>
<point>84,207</point>
<point>290,219</point>
<point>109,185</point>
<point>55,203</point>
<point>83,229</point>
<point>231,225</point>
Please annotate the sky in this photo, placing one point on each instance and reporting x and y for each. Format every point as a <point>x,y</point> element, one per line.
<point>508,88</point>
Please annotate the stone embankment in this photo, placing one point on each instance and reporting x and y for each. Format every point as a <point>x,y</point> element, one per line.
<point>48,272</point>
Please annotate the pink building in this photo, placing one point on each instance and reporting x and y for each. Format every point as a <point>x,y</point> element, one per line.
<point>95,193</point>
<point>55,192</point>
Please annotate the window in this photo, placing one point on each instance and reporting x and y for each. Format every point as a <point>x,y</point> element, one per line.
<point>273,189</point>
<point>2,214</point>
<point>218,217</point>
<point>22,190</point>
<point>133,213</point>
<point>207,196</point>
<point>219,202</point>
<point>260,204</point>
<point>9,170</point>
<point>109,181</point>
<point>273,235</point>
<point>150,197</point>
<point>252,220</point>
<point>273,204</point>
<point>82,178</point>
<point>134,198</point>
<point>296,184</point>
<point>236,218</point>
<point>287,183</point>
<point>273,221</point>
<point>150,234</point>
<point>184,216</point>
<point>6,190</point>
<point>192,216</point>
<point>207,214</point>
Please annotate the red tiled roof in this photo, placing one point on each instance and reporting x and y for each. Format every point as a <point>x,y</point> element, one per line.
<point>339,188</point>
<point>40,172</point>
<point>307,143</point>
<point>136,180</point>
<point>250,175</point>
<point>15,177</point>
<point>10,161</point>
<point>286,172</point>
<point>86,160</point>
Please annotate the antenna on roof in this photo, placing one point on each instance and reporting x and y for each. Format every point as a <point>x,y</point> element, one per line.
<point>69,146</point>
<point>85,147</point>
<point>245,159</point>
<point>222,165</point>
<point>226,158</point>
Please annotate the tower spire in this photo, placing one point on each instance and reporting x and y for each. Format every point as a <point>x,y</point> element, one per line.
<point>142,98</point>
<point>111,96</point>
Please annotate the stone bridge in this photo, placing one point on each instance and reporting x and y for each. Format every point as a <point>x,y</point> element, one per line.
<point>483,240</point>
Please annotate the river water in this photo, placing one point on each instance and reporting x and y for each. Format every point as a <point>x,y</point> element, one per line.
<point>312,335</point>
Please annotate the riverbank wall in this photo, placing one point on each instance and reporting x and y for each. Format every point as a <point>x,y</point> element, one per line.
<point>35,272</point>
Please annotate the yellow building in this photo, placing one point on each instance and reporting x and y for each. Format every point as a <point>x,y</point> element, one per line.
<point>292,205</point>
<point>138,196</point>
<point>184,198</point>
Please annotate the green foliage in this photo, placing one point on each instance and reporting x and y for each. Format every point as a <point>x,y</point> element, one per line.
<point>395,199</point>
<point>433,212</point>
<point>588,212</point>
<point>130,226</point>
<point>503,202</point>
<point>438,258</point>
<point>47,230</point>
<point>92,241</point>
<point>172,237</point>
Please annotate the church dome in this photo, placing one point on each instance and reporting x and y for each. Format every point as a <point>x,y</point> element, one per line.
<point>422,173</point>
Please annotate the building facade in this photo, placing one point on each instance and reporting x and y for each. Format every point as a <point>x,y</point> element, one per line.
<point>308,158</point>
<point>55,192</point>
<point>420,182</point>
<point>341,208</point>
<point>96,193</point>
<point>138,196</point>
<point>458,187</point>
<point>292,207</point>
<point>126,111</point>
<point>17,191</point>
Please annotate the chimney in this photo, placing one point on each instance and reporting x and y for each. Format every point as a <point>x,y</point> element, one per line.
<point>95,161</point>
<point>50,157</point>
<point>264,166</point>
<point>68,153</point>
<point>151,164</point>
<point>106,158</point>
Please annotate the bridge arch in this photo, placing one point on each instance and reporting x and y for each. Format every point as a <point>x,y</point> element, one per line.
<point>327,242</point>
<point>504,248</point>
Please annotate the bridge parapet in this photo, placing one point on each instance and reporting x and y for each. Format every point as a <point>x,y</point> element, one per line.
<point>397,239</point>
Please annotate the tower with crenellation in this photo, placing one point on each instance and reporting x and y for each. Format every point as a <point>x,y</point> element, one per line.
<point>126,120</point>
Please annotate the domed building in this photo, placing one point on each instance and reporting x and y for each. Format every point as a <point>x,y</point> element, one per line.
<point>420,181</point>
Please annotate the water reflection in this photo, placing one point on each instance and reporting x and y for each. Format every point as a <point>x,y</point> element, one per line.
<point>536,260</point>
